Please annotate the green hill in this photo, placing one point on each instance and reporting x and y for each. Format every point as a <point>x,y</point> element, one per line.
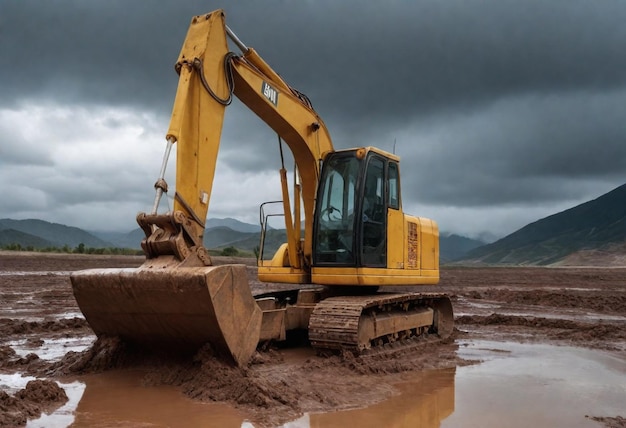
<point>25,240</point>
<point>130,239</point>
<point>55,234</point>
<point>222,236</point>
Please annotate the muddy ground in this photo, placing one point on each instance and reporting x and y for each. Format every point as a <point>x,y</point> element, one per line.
<point>584,307</point>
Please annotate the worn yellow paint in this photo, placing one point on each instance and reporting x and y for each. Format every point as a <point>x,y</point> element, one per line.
<point>196,121</point>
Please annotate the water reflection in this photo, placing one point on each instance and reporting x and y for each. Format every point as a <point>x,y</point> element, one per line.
<point>118,398</point>
<point>424,401</point>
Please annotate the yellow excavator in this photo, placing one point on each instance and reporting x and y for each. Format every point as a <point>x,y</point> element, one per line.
<point>355,242</point>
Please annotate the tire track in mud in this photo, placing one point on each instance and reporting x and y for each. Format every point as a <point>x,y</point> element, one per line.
<point>592,334</point>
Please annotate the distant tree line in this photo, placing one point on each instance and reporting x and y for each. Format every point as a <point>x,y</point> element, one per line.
<point>82,249</point>
<point>231,252</point>
<point>79,249</point>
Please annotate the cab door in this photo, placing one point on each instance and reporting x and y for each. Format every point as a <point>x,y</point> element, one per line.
<point>337,211</point>
<point>373,219</point>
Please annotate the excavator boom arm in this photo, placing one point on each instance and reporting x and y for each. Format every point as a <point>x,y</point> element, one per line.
<point>209,75</point>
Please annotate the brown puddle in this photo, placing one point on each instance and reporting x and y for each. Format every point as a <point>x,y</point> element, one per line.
<point>516,385</point>
<point>423,402</point>
<point>538,385</point>
<point>118,398</point>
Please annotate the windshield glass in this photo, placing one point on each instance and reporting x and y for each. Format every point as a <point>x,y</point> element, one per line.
<point>335,210</point>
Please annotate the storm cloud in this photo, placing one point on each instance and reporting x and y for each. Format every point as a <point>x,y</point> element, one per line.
<point>503,112</point>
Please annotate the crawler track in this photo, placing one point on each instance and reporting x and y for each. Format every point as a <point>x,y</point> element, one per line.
<point>360,323</point>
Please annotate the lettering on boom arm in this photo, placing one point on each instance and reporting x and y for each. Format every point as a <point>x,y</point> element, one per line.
<point>270,93</point>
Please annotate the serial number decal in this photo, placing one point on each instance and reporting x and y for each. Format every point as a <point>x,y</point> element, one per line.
<point>412,244</point>
<point>270,93</point>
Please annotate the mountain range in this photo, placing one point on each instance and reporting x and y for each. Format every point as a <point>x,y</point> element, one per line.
<point>42,234</point>
<point>593,233</point>
<point>220,233</point>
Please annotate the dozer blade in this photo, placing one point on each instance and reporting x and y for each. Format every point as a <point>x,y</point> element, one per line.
<point>173,309</point>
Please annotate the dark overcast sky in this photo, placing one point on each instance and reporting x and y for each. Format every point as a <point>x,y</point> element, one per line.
<point>503,111</point>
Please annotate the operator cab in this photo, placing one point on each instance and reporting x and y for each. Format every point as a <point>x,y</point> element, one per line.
<point>356,190</point>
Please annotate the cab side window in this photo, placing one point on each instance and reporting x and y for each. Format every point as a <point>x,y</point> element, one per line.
<point>394,186</point>
<point>374,218</point>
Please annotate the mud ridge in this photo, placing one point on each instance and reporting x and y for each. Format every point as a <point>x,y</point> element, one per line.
<point>15,327</point>
<point>37,397</point>
<point>596,300</point>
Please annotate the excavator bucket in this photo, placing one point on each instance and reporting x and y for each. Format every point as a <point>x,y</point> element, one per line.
<point>178,309</point>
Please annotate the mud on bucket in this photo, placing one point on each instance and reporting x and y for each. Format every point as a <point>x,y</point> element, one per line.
<point>183,308</point>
